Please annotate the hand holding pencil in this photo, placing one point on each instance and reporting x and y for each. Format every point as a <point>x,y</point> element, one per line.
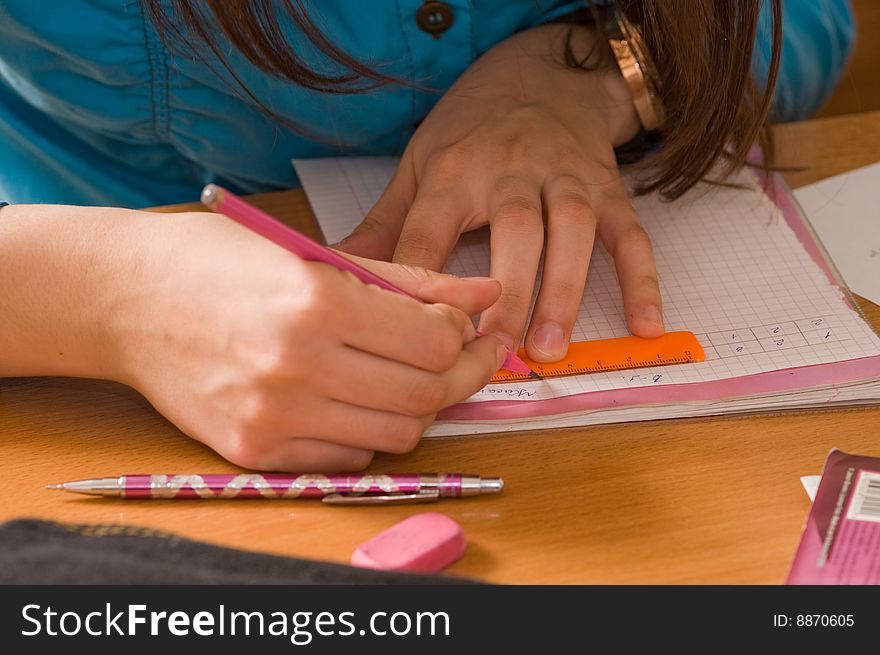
<point>283,364</point>
<point>255,219</point>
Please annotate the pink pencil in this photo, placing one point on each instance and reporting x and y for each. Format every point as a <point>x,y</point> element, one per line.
<point>227,203</point>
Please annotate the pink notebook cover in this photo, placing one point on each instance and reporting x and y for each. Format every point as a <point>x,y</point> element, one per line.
<point>802,377</point>
<point>840,543</point>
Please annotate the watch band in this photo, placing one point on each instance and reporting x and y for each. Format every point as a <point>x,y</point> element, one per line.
<point>629,51</point>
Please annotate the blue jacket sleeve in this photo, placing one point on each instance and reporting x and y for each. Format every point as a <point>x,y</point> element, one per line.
<point>817,38</point>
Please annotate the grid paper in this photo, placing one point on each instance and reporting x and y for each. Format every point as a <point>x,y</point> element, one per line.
<point>731,271</point>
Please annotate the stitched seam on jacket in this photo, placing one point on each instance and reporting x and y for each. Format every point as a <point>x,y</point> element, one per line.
<point>158,66</point>
<point>412,66</point>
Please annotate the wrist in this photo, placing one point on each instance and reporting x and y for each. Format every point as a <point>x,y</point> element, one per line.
<point>603,88</point>
<point>62,272</point>
<point>141,308</point>
<point>534,62</point>
<point>126,301</point>
<point>616,108</point>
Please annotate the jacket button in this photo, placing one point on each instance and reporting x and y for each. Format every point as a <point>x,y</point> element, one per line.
<point>434,18</point>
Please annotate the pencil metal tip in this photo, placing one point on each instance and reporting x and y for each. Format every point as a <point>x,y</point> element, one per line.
<point>212,195</point>
<point>491,485</point>
<point>54,486</point>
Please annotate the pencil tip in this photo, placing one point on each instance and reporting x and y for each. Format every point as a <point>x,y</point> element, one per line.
<point>535,376</point>
<point>54,486</point>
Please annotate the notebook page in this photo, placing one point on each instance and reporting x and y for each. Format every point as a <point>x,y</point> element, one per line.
<point>843,210</point>
<point>342,191</point>
<point>730,268</point>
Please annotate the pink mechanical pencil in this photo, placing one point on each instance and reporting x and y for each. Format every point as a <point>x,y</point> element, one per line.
<point>227,203</point>
<point>333,488</point>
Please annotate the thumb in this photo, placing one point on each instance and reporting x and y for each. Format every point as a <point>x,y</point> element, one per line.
<point>469,294</point>
<point>376,236</point>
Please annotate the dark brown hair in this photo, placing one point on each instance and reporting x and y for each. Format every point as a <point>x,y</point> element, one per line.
<point>702,51</point>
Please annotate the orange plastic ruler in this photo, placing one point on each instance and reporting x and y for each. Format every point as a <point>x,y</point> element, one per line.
<point>614,355</point>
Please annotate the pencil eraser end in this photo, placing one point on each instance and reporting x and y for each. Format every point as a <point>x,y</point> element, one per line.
<point>424,543</point>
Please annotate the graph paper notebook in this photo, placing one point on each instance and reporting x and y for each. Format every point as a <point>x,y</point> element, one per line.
<point>739,270</point>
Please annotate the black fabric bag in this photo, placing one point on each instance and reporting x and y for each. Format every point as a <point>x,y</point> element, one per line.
<point>38,552</point>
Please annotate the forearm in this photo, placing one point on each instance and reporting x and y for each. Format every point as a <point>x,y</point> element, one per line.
<point>63,271</point>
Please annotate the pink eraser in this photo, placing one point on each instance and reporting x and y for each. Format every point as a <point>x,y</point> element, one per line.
<point>424,543</point>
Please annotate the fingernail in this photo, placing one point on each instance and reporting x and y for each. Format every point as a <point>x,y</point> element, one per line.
<point>651,313</point>
<point>548,339</point>
<point>502,354</point>
<point>479,279</point>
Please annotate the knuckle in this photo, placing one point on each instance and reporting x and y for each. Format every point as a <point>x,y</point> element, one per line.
<point>253,416</point>
<point>312,301</point>
<point>371,224</point>
<point>416,244</point>
<point>418,274</point>
<point>271,361</point>
<point>426,397</point>
<point>648,283</point>
<point>519,213</point>
<point>570,182</point>
<point>444,348</point>
<point>573,208</point>
<point>244,448</point>
<point>418,280</point>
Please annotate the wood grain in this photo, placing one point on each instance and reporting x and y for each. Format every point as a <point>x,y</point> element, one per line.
<point>680,501</point>
<point>816,149</point>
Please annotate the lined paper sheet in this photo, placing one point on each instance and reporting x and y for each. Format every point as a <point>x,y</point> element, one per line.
<point>731,270</point>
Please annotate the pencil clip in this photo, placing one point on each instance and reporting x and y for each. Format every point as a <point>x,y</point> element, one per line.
<point>425,496</point>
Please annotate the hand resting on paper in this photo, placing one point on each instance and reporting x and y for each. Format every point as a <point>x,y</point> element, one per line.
<point>519,143</point>
<point>274,362</point>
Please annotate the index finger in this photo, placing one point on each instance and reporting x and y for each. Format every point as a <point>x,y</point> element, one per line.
<point>400,328</point>
<point>517,238</point>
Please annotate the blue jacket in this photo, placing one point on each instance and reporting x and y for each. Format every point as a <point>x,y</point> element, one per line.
<point>94,109</point>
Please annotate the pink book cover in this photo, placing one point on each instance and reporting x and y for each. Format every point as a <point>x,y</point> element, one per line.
<point>840,544</point>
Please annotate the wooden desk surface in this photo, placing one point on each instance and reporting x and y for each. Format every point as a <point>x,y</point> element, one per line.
<point>683,501</point>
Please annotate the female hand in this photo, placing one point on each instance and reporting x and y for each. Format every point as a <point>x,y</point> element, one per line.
<point>518,142</point>
<point>282,364</point>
